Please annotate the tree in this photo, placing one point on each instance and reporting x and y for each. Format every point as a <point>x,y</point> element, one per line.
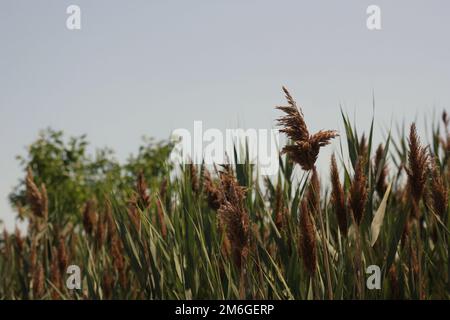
<point>72,176</point>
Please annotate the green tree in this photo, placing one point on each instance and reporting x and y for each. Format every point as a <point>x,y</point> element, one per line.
<point>72,176</point>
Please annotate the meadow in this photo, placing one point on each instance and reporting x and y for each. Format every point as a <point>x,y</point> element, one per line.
<point>137,231</point>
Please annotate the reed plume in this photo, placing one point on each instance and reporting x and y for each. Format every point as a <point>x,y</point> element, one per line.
<point>381,170</point>
<point>439,191</point>
<point>118,259</point>
<point>313,193</point>
<point>213,193</point>
<point>307,239</point>
<point>133,212</point>
<point>305,148</point>
<point>55,274</point>
<point>234,217</point>
<point>363,148</point>
<point>107,284</point>
<point>394,283</point>
<point>280,208</point>
<point>338,197</point>
<point>62,254</point>
<point>195,184</point>
<point>89,217</point>
<point>417,169</point>
<point>33,255</point>
<point>36,198</point>
<point>358,192</point>
<point>38,281</point>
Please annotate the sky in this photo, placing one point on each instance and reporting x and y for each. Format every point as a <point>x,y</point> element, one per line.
<point>148,67</point>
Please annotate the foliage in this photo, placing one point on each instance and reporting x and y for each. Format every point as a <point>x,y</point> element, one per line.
<point>220,234</point>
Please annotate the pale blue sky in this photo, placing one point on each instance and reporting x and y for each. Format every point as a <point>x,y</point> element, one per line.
<point>147,67</point>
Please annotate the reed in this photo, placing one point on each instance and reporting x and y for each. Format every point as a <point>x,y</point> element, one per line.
<point>226,233</point>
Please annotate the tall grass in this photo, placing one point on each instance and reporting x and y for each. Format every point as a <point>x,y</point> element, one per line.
<point>219,233</point>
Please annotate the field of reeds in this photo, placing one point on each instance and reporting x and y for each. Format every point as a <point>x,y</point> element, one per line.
<point>227,233</point>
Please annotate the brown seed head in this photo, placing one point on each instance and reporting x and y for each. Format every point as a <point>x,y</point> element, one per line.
<point>213,193</point>
<point>313,193</point>
<point>195,185</point>
<point>307,239</point>
<point>358,193</point>
<point>439,191</point>
<point>89,217</point>
<point>280,208</point>
<point>117,254</point>
<point>363,148</point>
<point>338,197</point>
<point>36,198</point>
<point>55,274</point>
<point>306,147</point>
<point>133,212</point>
<point>417,168</point>
<point>38,281</point>
<point>234,218</point>
<point>382,170</point>
<point>63,257</point>
<point>107,284</point>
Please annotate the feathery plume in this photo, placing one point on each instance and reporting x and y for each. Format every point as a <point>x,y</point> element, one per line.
<point>381,184</point>
<point>33,253</point>
<point>358,192</point>
<point>63,258</point>
<point>417,168</point>
<point>213,194</point>
<point>307,239</point>
<point>38,281</point>
<point>89,217</point>
<point>110,224</point>
<point>439,191</point>
<point>280,208</point>
<point>118,259</point>
<point>393,280</point>
<point>55,274</point>
<point>313,193</point>
<point>37,198</point>
<point>234,217</point>
<point>338,197</point>
<point>363,148</point>
<point>306,147</point>
<point>107,284</point>
<point>195,185</point>
<point>133,212</point>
